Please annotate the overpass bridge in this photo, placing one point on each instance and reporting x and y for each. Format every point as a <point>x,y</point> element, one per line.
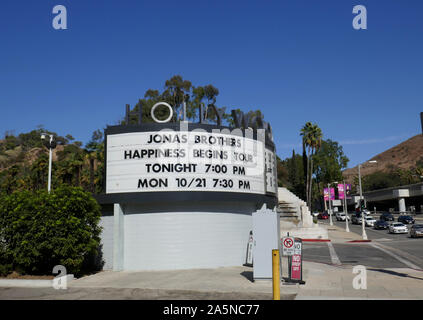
<point>407,198</point>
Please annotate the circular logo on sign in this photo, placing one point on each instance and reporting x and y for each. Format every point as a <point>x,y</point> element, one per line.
<point>288,243</point>
<point>162,104</point>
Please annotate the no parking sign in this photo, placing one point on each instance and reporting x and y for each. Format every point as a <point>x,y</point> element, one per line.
<point>288,246</point>
<point>292,247</point>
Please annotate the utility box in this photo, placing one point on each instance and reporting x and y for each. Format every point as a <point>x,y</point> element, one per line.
<point>266,235</point>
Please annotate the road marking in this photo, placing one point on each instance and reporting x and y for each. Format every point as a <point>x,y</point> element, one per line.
<point>333,255</point>
<point>400,259</point>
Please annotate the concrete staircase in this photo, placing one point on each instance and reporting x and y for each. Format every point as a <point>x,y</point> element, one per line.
<point>296,217</point>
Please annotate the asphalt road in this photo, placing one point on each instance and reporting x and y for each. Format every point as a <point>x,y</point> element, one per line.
<point>385,251</point>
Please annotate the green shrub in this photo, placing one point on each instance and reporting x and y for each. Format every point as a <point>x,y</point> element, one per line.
<point>41,230</point>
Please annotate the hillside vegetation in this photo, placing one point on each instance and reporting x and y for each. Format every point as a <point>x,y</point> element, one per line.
<point>399,165</point>
<point>24,162</point>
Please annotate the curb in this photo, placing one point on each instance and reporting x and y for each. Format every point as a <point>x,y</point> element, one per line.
<point>360,241</point>
<point>26,283</point>
<point>316,240</point>
<point>31,283</point>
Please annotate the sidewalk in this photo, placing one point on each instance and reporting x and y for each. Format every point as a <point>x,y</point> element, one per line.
<point>336,282</point>
<point>339,235</point>
<point>229,283</point>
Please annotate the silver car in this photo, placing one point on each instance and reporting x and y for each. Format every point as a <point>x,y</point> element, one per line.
<point>416,231</point>
<point>340,216</point>
<point>397,227</point>
<point>369,221</point>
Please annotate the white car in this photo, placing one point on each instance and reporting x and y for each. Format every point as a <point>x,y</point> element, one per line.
<point>314,214</point>
<point>340,216</point>
<point>369,221</point>
<point>397,227</point>
<point>356,218</point>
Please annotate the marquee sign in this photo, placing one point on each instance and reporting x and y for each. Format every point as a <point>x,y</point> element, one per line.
<point>188,161</point>
<point>155,158</point>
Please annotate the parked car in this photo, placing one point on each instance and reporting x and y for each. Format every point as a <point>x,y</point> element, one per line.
<point>340,216</point>
<point>369,221</point>
<point>323,216</point>
<point>386,216</point>
<point>356,218</point>
<point>314,214</point>
<point>381,224</point>
<point>406,219</point>
<point>398,227</point>
<point>416,231</point>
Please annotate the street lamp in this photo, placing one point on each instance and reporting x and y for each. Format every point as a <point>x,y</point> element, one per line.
<point>51,145</point>
<point>347,228</point>
<point>364,235</point>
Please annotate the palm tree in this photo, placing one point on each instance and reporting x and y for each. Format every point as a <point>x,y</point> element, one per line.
<point>316,143</point>
<point>312,140</point>
<point>306,134</point>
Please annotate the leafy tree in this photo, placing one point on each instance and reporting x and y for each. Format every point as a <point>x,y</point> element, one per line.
<point>41,230</point>
<point>176,90</point>
<point>293,174</point>
<point>329,162</point>
<point>94,154</point>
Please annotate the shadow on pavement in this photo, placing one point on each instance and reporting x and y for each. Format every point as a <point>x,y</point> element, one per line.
<point>248,275</point>
<point>394,273</point>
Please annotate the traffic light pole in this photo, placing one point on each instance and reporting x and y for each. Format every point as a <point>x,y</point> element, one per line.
<point>330,206</point>
<point>364,235</point>
<point>347,228</point>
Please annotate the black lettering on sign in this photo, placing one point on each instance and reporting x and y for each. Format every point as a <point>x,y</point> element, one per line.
<point>238,170</point>
<point>152,183</point>
<point>164,138</point>
<point>244,184</point>
<point>171,167</point>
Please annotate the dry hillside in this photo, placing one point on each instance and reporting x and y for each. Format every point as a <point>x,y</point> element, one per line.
<point>18,156</point>
<point>403,156</point>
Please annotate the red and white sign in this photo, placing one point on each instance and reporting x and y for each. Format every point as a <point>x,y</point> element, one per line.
<point>296,267</point>
<point>287,246</point>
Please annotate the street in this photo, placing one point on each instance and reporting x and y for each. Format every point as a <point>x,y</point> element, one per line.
<point>384,251</point>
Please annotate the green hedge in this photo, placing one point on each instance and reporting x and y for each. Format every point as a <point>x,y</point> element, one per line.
<point>41,230</point>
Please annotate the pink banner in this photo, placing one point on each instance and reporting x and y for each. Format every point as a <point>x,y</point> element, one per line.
<point>341,191</point>
<point>325,194</point>
<point>332,193</point>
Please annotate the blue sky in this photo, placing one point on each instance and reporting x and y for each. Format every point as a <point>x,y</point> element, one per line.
<point>297,61</point>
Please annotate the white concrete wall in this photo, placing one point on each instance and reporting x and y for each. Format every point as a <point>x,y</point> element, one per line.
<point>185,240</point>
<point>107,241</point>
